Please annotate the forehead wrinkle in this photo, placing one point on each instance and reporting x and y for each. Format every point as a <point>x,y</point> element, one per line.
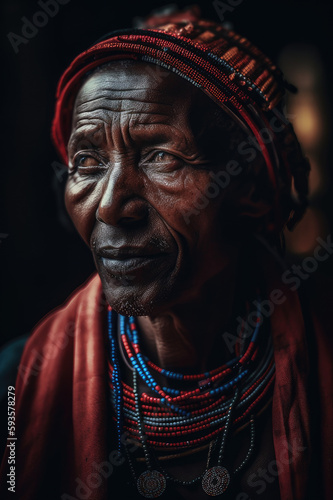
<point>107,90</point>
<point>106,112</point>
<point>117,132</point>
<point>90,126</point>
<point>108,134</point>
<point>145,113</point>
<point>119,105</point>
<point>82,100</point>
<point>133,119</point>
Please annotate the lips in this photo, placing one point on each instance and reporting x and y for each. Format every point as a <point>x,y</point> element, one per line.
<point>125,259</point>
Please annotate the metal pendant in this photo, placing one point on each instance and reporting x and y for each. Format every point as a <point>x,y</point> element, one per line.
<point>151,484</point>
<point>215,481</point>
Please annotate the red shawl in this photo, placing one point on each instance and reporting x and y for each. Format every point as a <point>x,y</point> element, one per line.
<point>61,403</point>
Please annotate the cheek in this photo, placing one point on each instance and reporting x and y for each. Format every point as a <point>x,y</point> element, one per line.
<point>188,202</point>
<point>192,206</point>
<point>81,200</point>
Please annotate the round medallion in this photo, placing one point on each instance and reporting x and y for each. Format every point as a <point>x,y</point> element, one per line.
<point>151,484</point>
<point>215,481</point>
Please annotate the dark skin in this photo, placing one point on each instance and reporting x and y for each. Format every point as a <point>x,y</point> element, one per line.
<point>141,153</point>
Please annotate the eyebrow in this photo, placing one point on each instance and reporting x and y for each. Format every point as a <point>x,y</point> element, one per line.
<point>146,130</point>
<point>85,136</point>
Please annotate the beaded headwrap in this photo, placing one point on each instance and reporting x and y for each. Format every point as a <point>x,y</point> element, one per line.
<point>229,69</point>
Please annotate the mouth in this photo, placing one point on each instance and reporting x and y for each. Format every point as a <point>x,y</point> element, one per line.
<point>129,263</point>
<point>124,261</point>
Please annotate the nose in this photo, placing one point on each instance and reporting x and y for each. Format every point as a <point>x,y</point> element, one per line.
<point>121,202</point>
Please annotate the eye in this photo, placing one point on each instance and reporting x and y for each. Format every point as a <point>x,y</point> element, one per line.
<point>88,161</point>
<point>87,164</point>
<point>162,156</point>
<point>164,161</point>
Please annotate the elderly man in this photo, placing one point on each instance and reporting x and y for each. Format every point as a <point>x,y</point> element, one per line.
<point>186,368</point>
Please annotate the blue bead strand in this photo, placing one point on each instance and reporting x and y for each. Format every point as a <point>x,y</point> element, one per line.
<point>116,375</point>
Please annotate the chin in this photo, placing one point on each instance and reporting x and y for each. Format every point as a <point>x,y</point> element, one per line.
<point>128,302</point>
<point>142,292</point>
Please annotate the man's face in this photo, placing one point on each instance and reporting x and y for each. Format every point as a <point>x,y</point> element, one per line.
<point>141,153</point>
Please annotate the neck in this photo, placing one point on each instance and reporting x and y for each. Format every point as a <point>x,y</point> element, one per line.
<point>189,337</point>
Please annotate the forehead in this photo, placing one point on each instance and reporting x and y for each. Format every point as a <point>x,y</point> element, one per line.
<point>141,88</point>
<point>143,98</point>
<point>137,82</point>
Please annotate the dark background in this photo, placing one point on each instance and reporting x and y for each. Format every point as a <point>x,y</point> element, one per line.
<point>41,258</point>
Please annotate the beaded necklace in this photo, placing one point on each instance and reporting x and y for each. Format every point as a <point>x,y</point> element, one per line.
<point>214,480</point>
<point>185,418</point>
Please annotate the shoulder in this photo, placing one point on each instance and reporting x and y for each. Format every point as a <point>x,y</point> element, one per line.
<point>81,301</point>
<point>11,353</point>
<point>28,360</point>
<point>320,305</point>
<point>53,337</point>
<point>318,298</point>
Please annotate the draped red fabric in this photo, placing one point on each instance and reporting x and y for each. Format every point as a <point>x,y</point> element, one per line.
<point>322,318</point>
<point>62,402</point>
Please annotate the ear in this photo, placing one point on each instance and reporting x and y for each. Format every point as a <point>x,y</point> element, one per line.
<point>250,202</point>
<point>251,197</point>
